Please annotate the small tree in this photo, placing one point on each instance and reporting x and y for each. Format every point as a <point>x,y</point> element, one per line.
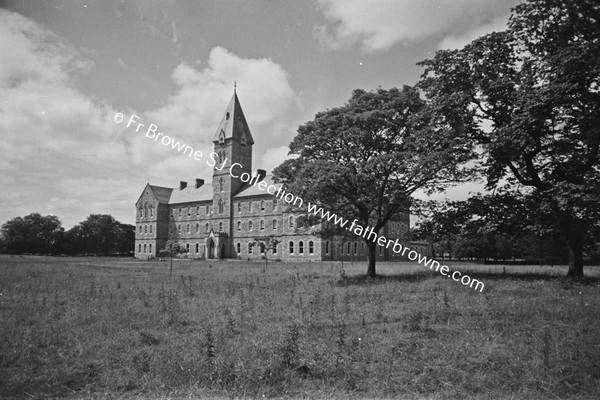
<point>172,247</point>
<point>266,244</point>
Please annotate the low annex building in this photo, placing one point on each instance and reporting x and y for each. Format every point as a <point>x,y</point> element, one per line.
<point>227,218</point>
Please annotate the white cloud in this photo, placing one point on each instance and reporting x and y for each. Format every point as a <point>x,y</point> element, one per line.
<point>193,113</point>
<point>273,157</point>
<point>61,151</point>
<point>380,24</point>
<point>459,41</point>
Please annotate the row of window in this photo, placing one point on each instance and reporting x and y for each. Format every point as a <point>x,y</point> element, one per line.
<point>396,227</point>
<point>274,225</point>
<point>291,247</point>
<point>188,228</point>
<point>148,248</point>
<point>180,212</point>
<point>144,211</point>
<point>144,228</point>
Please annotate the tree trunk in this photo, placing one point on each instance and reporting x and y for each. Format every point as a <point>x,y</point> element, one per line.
<point>574,233</point>
<point>575,243</point>
<point>372,246</point>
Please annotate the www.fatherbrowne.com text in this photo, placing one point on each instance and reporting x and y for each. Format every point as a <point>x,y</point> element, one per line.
<point>278,191</point>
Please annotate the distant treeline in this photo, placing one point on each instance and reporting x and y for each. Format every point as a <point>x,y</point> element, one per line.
<point>99,234</point>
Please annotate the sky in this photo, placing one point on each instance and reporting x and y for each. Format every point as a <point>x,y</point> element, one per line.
<point>68,66</point>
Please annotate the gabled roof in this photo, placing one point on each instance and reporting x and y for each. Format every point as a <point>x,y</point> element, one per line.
<point>254,190</point>
<point>233,125</point>
<point>191,194</point>
<point>162,194</point>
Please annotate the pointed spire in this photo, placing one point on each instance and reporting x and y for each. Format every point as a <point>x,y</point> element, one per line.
<point>233,125</point>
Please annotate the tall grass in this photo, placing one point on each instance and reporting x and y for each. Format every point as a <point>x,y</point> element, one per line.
<point>116,328</point>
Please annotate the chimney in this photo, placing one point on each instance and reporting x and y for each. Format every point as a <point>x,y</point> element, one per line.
<point>182,185</point>
<point>261,174</point>
<point>199,182</point>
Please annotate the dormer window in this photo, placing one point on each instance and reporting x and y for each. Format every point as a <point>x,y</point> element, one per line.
<point>226,116</point>
<point>222,137</point>
<point>243,139</point>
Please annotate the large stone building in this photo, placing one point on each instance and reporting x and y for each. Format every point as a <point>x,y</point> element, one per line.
<point>229,218</point>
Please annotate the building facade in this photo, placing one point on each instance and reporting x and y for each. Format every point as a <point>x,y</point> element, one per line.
<point>229,218</point>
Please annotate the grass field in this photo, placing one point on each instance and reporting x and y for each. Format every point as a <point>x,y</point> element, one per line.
<point>118,328</point>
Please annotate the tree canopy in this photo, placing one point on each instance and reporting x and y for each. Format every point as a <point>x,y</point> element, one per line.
<point>529,98</point>
<point>366,158</point>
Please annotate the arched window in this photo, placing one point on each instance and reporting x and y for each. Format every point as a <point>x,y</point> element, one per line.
<point>180,212</point>
<point>291,247</point>
<point>239,224</point>
<point>150,228</point>
<point>145,212</point>
<point>274,248</point>
<point>150,248</point>
<point>262,224</point>
<point>250,206</point>
<point>262,248</point>
<point>221,181</point>
<point>348,251</point>
<point>240,207</point>
<point>187,247</point>
<point>274,224</point>
<point>198,210</point>
<point>141,213</point>
<point>380,250</point>
<point>151,211</point>
<point>220,206</point>
<point>207,210</point>
<point>197,229</point>
<point>139,248</point>
<point>206,228</point>
<point>311,247</point>
<point>189,211</point>
<point>238,247</point>
<point>188,228</point>
<point>262,205</point>
<point>274,204</point>
<point>197,248</point>
<point>327,247</point>
<point>249,225</point>
<point>220,227</point>
<point>291,221</point>
<point>145,228</point>
<point>301,247</point>
<point>140,229</point>
<point>250,248</point>
<point>355,248</point>
<point>144,247</point>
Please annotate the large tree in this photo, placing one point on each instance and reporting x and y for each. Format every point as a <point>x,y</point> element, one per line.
<point>365,159</point>
<point>529,98</point>
<point>33,233</point>
<point>100,234</point>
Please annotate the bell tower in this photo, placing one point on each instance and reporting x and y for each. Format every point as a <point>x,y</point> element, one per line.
<point>233,144</point>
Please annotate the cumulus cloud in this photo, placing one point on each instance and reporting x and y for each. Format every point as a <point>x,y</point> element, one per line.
<point>49,128</point>
<point>195,110</point>
<point>380,24</point>
<point>455,42</point>
<point>63,154</point>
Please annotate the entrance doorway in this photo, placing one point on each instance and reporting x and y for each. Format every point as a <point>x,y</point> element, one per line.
<point>211,248</point>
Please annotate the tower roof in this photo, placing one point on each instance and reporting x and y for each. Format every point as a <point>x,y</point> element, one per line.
<point>233,125</point>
